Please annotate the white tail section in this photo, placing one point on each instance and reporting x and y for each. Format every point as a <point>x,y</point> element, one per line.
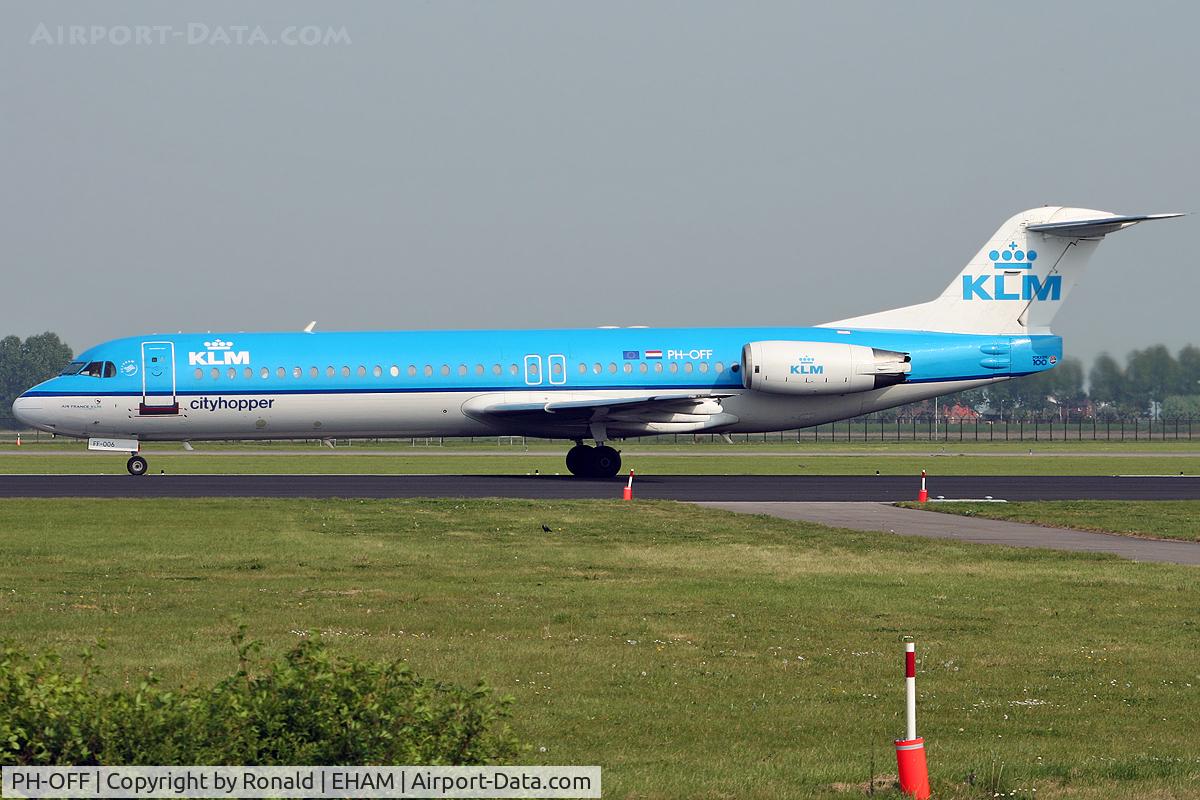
<point>1017,281</point>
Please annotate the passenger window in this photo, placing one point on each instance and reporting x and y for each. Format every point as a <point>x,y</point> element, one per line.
<point>199,374</point>
<point>514,369</point>
<point>428,370</point>
<point>687,367</point>
<point>479,370</point>
<point>582,369</point>
<point>642,368</point>
<point>462,370</point>
<point>264,373</point>
<point>362,371</point>
<point>445,369</point>
<point>330,372</point>
<point>394,371</point>
<point>674,367</point>
<point>345,372</point>
<point>497,369</point>
<point>314,372</point>
<point>612,367</point>
<point>556,367</point>
<point>658,366</point>
<point>281,372</point>
<point>628,368</point>
<point>297,372</point>
<point>378,371</point>
<point>231,372</point>
<point>719,368</point>
<point>597,368</point>
<point>412,370</point>
<point>248,373</point>
<point>704,366</point>
<point>216,373</point>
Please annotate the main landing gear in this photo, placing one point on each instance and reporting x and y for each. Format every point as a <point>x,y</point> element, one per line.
<point>593,462</point>
<point>136,465</point>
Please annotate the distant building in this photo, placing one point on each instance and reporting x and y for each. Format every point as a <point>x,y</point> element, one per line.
<point>961,413</point>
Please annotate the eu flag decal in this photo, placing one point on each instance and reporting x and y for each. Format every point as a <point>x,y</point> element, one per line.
<point>632,355</point>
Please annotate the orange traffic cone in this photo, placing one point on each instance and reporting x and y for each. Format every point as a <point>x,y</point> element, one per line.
<point>923,495</point>
<point>627,493</point>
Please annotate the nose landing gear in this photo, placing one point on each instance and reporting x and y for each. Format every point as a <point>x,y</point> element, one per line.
<point>593,462</point>
<point>136,465</point>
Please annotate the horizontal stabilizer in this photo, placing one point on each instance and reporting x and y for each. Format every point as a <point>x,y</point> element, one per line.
<point>1088,228</point>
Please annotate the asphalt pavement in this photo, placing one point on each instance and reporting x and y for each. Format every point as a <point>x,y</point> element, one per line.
<point>690,488</point>
<point>886,518</point>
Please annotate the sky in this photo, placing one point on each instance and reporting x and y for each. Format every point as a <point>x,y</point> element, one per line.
<point>448,164</point>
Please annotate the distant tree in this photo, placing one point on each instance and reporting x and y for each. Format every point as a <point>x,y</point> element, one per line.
<point>1150,376</point>
<point>1064,385</point>
<point>24,363</point>
<point>1181,406</point>
<point>1187,371</point>
<point>1052,392</point>
<point>1106,381</point>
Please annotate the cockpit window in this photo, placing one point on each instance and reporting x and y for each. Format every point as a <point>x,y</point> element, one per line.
<point>100,369</point>
<point>73,368</point>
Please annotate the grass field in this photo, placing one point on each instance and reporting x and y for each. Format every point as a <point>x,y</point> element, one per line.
<point>691,653</point>
<point>701,443</point>
<point>482,456</point>
<point>1168,519</point>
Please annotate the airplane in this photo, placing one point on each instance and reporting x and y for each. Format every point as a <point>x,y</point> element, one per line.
<point>990,324</point>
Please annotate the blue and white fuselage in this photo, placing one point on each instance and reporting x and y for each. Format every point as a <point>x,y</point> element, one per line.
<point>470,383</point>
<point>990,324</point>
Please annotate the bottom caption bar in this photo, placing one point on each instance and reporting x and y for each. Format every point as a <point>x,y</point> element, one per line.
<point>301,782</point>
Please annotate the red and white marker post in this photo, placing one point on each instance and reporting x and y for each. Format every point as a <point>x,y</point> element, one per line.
<point>910,751</point>
<point>923,495</point>
<point>627,493</point>
<point>18,438</point>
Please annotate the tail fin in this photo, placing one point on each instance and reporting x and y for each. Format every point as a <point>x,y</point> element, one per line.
<point>1017,281</point>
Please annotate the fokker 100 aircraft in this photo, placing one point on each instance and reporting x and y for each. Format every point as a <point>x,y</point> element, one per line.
<point>990,324</point>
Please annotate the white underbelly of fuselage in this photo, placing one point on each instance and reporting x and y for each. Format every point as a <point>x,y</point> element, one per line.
<point>349,415</point>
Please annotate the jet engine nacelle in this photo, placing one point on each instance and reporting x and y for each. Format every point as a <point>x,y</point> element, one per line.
<point>820,367</point>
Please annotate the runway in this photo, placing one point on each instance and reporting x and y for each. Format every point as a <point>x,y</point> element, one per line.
<point>689,488</point>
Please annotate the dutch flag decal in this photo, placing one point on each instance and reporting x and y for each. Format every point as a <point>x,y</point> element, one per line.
<point>654,354</point>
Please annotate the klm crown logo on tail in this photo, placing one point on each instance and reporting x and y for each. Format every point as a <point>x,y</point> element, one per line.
<point>1013,280</point>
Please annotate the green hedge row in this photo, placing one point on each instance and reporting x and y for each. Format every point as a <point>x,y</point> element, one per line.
<point>309,707</point>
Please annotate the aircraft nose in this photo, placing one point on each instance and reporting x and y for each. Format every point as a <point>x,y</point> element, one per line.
<point>28,411</point>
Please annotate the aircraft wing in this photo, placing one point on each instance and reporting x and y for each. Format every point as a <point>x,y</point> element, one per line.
<point>628,414</point>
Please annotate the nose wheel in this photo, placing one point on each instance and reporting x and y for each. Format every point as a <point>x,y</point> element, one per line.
<point>593,462</point>
<point>136,465</point>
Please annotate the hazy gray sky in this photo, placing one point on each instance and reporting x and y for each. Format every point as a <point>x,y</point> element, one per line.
<point>513,164</point>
